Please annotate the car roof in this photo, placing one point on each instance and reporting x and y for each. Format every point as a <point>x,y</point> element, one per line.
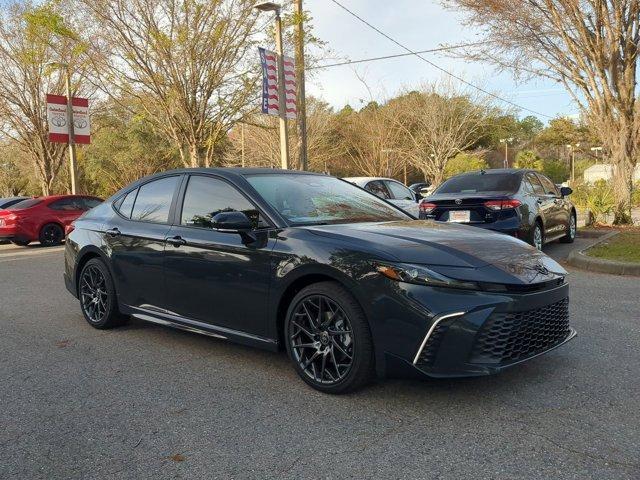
<point>493,171</point>
<point>367,179</point>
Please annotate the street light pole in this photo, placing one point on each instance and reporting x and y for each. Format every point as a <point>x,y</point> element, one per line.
<point>73,170</point>
<point>282,99</point>
<point>506,150</point>
<point>72,140</point>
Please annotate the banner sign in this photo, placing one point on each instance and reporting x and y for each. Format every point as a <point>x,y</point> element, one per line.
<point>57,119</point>
<point>270,99</point>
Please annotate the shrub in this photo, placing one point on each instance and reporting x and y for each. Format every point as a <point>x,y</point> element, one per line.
<point>601,200</point>
<point>556,170</point>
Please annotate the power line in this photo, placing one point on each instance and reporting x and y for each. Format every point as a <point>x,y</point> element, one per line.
<point>453,75</point>
<point>398,55</point>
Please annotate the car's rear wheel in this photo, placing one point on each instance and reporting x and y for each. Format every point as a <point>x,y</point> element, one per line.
<point>51,234</point>
<point>97,296</point>
<point>571,230</point>
<point>536,237</point>
<point>328,339</point>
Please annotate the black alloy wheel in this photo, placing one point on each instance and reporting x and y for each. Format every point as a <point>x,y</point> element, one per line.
<point>328,339</point>
<point>51,234</point>
<point>572,228</point>
<point>97,296</point>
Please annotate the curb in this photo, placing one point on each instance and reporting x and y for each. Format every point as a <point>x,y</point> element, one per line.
<point>578,258</point>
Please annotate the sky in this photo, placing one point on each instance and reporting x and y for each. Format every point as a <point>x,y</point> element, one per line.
<point>420,25</point>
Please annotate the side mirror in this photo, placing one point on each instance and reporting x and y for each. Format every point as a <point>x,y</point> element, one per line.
<point>566,191</point>
<point>232,221</point>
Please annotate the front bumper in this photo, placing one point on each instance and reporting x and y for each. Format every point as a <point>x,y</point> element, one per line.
<point>472,333</point>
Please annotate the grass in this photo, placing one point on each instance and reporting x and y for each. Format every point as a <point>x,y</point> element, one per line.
<point>623,247</point>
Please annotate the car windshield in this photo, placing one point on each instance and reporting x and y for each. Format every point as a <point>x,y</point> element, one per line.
<point>481,182</point>
<point>317,200</point>
<point>31,202</point>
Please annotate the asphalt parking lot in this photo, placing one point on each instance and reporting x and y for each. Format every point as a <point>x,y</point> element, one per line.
<point>145,401</point>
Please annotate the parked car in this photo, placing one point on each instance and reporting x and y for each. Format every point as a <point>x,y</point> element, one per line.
<point>419,189</point>
<point>522,203</point>
<point>390,190</point>
<point>8,201</point>
<point>43,219</point>
<point>349,285</point>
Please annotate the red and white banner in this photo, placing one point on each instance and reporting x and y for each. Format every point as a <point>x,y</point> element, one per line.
<point>270,99</point>
<point>57,119</point>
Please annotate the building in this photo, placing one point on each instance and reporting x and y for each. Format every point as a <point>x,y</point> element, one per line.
<point>604,171</point>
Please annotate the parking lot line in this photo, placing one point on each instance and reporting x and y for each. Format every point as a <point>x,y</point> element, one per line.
<point>11,255</point>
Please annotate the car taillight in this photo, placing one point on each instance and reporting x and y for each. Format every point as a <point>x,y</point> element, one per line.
<point>426,207</point>
<point>502,204</point>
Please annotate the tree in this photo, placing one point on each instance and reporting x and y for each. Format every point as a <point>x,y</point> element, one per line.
<point>529,159</point>
<point>589,46</point>
<point>465,162</point>
<point>437,124</point>
<point>257,137</point>
<point>30,38</point>
<point>185,62</point>
<point>124,148</point>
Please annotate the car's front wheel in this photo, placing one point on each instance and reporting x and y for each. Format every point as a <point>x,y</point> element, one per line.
<point>98,297</point>
<point>328,339</point>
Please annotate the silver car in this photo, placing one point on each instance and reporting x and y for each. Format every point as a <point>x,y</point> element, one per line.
<point>390,190</point>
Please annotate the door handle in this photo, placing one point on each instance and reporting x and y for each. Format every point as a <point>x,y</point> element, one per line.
<point>114,232</point>
<point>176,241</point>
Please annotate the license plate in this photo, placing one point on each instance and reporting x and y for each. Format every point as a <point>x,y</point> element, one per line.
<point>459,216</point>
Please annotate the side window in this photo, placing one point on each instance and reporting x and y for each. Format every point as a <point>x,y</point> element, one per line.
<point>65,204</point>
<point>549,187</point>
<point>124,205</point>
<point>89,203</point>
<point>399,191</point>
<point>206,196</point>
<point>154,200</point>
<point>538,189</point>
<point>377,188</point>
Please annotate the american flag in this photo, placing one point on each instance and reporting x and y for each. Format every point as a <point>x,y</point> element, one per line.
<point>270,104</point>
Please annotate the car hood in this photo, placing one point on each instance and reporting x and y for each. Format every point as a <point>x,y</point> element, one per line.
<point>462,251</point>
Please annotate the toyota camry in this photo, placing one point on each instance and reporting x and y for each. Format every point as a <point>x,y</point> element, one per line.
<point>347,283</point>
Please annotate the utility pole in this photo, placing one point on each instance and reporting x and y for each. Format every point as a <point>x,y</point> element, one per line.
<point>302,101</point>
<point>282,99</point>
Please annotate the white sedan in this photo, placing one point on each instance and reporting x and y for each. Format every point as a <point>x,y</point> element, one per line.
<point>390,190</point>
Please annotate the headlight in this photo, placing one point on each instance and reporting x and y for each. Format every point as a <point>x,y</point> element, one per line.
<point>420,275</point>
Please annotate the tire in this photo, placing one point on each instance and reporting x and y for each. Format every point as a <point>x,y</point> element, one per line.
<point>317,349</point>
<point>536,235</point>
<point>571,231</point>
<point>21,243</point>
<point>97,296</point>
<point>51,235</point>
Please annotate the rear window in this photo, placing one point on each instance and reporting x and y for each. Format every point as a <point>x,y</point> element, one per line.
<point>488,182</point>
<point>31,202</point>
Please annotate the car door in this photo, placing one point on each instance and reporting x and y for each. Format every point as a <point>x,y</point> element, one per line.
<point>65,210</point>
<point>135,240</point>
<point>212,276</point>
<point>561,210</point>
<point>545,203</point>
<point>402,197</point>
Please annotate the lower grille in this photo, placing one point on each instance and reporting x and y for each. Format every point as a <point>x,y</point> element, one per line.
<point>509,337</point>
<point>428,354</point>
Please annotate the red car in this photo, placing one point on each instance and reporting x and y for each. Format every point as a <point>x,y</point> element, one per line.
<point>43,219</point>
